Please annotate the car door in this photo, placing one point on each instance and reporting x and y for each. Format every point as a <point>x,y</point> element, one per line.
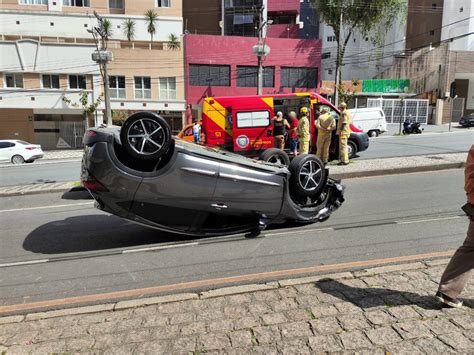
<point>175,197</point>
<point>4,149</point>
<point>252,129</point>
<point>247,189</point>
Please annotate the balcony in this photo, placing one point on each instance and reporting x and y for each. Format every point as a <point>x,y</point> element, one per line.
<point>288,6</point>
<point>283,31</point>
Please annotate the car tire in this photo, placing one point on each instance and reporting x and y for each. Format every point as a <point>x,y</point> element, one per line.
<point>308,176</point>
<point>373,133</point>
<point>275,155</point>
<point>351,149</point>
<point>18,159</point>
<point>145,136</point>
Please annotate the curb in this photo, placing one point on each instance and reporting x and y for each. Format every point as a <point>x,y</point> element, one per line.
<point>36,191</point>
<point>222,291</point>
<point>397,171</point>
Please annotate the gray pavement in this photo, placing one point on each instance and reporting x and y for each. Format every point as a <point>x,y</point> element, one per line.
<point>394,128</point>
<point>413,145</point>
<point>387,310</point>
<point>80,251</point>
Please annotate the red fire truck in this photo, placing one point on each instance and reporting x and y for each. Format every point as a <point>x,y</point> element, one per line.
<point>243,124</point>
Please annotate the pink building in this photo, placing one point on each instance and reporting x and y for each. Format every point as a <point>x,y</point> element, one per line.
<point>224,65</point>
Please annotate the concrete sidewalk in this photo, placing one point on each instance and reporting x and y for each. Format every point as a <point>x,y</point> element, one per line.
<point>358,168</point>
<point>63,154</point>
<point>379,310</point>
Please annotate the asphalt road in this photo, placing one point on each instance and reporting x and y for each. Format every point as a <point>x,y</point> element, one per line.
<point>381,147</point>
<point>429,143</point>
<point>77,250</point>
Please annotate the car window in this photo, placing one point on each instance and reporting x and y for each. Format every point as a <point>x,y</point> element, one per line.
<point>188,132</point>
<point>12,144</point>
<point>331,110</point>
<point>23,142</point>
<point>4,145</point>
<point>253,119</point>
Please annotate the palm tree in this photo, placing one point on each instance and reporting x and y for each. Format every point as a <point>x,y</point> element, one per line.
<point>107,27</point>
<point>173,42</point>
<point>151,17</point>
<point>129,30</point>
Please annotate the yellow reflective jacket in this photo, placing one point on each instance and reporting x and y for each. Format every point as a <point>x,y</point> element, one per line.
<point>325,124</point>
<point>303,128</point>
<point>344,123</point>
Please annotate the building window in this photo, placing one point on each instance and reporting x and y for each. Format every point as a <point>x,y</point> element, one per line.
<point>77,82</point>
<point>142,87</point>
<point>247,76</point>
<point>434,6</point>
<point>117,87</point>
<point>50,81</point>
<point>77,3</point>
<point>34,2</point>
<point>331,38</point>
<point>298,77</point>
<point>163,3</point>
<point>168,88</point>
<point>115,4</point>
<point>282,19</point>
<point>14,80</point>
<point>209,75</point>
<point>326,55</point>
<point>432,32</point>
<point>253,119</point>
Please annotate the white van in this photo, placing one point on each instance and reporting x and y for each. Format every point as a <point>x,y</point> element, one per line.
<point>371,120</point>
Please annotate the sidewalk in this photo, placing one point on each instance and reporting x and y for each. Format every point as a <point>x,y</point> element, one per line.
<point>394,128</point>
<point>63,154</point>
<point>379,310</point>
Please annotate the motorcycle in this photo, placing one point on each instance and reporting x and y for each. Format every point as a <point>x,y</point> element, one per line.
<point>412,127</point>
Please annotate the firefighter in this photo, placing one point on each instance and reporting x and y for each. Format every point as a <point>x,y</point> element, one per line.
<point>303,131</point>
<point>325,124</point>
<point>343,131</point>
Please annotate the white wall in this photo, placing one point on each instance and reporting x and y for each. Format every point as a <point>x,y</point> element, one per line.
<point>452,13</point>
<point>363,60</point>
<point>33,57</point>
<point>43,99</point>
<point>73,25</point>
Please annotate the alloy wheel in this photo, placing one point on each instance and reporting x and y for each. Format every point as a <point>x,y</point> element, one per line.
<point>146,136</point>
<point>310,176</point>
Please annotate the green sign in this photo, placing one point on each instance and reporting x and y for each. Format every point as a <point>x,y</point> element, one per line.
<point>386,85</point>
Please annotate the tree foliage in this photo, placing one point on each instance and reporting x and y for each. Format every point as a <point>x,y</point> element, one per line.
<point>129,29</point>
<point>151,18</point>
<point>174,42</point>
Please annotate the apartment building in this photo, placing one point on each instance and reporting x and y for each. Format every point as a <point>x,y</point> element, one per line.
<point>364,58</point>
<point>46,66</point>
<point>218,49</point>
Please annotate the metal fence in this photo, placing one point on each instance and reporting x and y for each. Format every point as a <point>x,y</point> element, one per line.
<point>458,109</point>
<point>72,133</point>
<point>397,110</point>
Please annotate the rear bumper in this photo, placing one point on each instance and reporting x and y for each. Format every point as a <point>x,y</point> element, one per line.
<point>35,157</point>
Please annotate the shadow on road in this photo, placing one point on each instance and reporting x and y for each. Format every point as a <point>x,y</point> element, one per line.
<point>92,233</point>
<point>366,297</point>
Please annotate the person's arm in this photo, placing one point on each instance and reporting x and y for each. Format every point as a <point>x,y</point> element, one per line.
<point>332,127</point>
<point>317,123</point>
<point>469,176</point>
<point>287,125</point>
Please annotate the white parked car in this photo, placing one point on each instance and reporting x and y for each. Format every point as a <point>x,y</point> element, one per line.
<point>370,120</point>
<point>19,152</point>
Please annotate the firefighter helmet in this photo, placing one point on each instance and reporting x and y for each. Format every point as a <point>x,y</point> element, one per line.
<point>304,110</point>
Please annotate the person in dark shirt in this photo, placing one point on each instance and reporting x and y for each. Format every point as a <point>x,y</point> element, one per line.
<point>279,124</point>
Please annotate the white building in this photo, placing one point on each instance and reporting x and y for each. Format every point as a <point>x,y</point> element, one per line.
<point>363,59</point>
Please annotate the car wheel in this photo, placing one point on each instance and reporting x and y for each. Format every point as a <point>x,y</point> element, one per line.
<point>308,176</point>
<point>373,134</point>
<point>145,136</point>
<point>18,159</point>
<point>276,156</point>
<point>351,149</point>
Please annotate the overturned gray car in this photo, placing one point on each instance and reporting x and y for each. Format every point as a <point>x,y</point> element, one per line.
<point>141,173</point>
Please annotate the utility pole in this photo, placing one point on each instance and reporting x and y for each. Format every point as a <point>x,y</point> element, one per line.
<point>102,57</point>
<point>260,53</point>
<point>338,62</point>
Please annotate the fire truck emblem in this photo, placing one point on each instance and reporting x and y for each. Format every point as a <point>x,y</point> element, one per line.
<point>242,141</point>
